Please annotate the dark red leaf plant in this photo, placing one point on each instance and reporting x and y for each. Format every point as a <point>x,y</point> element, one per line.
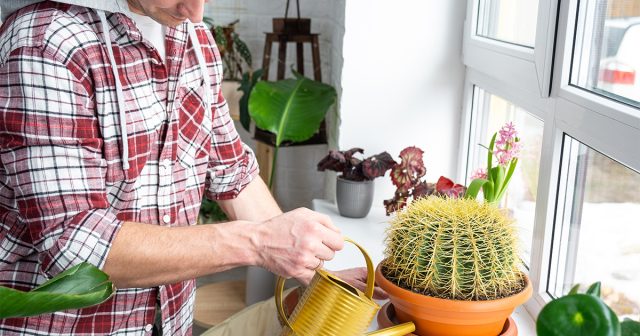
<point>353,168</point>
<point>407,177</point>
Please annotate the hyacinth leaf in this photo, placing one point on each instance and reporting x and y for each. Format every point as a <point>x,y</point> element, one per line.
<point>292,109</point>
<point>574,290</point>
<point>474,188</point>
<point>492,145</point>
<point>81,286</point>
<point>377,165</point>
<point>578,314</point>
<point>512,168</point>
<point>594,289</point>
<point>630,327</point>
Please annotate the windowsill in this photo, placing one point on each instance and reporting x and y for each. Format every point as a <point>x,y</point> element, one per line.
<point>369,232</point>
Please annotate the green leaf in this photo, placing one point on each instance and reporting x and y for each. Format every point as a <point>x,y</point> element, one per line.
<point>474,188</point>
<point>292,109</point>
<point>577,315</point>
<point>594,289</point>
<point>247,84</point>
<point>490,152</point>
<point>574,289</point>
<point>81,286</point>
<point>630,328</point>
<point>512,168</point>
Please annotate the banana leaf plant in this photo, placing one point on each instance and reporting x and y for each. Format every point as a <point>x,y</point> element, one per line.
<point>81,286</point>
<point>292,109</point>
<point>579,314</point>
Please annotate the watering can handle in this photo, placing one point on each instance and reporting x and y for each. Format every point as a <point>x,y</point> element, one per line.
<point>368,291</point>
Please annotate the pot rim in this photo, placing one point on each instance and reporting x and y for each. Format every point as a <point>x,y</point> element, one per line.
<point>354,182</point>
<point>455,305</point>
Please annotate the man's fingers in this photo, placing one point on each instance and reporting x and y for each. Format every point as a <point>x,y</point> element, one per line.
<point>332,240</point>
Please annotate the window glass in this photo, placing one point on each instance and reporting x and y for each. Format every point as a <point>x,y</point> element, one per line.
<point>599,228</point>
<point>491,113</point>
<point>512,21</point>
<point>606,56</point>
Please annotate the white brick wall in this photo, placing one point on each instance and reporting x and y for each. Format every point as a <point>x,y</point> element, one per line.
<point>327,19</point>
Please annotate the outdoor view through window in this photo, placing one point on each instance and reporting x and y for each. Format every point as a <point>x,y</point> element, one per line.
<point>606,57</point>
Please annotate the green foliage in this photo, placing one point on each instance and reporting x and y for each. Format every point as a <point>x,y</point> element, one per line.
<point>583,314</point>
<point>292,109</point>
<point>248,82</point>
<point>235,53</point>
<point>81,286</point>
<point>210,212</point>
<point>456,249</point>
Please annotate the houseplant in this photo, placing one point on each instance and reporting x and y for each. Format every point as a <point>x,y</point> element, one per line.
<point>354,185</point>
<point>407,175</point>
<point>81,286</point>
<point>582,314</point>
<point>452,267</point>
<point>236,60</point>
<point>291,109</point>
<point>452,263</point>
<point>494,179</point>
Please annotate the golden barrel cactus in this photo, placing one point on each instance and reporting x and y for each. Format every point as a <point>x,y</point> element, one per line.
<point>456,249</point>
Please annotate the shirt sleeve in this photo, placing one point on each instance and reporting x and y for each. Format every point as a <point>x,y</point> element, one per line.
<point>232,164</point>
<point>52,162</point>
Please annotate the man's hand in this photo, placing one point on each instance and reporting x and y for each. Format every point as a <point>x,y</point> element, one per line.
<point>295,243</point>
<point>357,277</point>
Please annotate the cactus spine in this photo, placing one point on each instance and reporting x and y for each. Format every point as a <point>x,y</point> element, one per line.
<point>456,249</point>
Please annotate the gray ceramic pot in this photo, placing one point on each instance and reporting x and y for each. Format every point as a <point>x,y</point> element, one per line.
<point>354,198</point>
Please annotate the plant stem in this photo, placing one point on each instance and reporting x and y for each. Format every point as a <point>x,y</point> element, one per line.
<point>273,166</point>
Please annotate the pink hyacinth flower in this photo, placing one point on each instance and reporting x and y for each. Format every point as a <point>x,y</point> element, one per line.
<point>480,173</point>
<point>506,145</point>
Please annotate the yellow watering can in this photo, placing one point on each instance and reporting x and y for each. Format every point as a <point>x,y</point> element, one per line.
<point>331,307</point>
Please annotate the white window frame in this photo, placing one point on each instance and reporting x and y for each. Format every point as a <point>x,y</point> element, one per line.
<point>523,76</point>
<point>529,68</point>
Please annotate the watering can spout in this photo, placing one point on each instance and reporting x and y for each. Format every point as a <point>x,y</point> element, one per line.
<point>400,329</point>
<point>330,305</point>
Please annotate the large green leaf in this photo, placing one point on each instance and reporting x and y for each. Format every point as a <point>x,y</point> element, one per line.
<point>292,109</point>
<point>577,315</point>
<point>630,328</point>
<point>81,286</point>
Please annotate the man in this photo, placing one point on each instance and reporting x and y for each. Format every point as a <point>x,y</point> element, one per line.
<point>109,138</point>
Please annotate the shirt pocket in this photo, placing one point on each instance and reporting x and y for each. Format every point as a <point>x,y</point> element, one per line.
<point>195,125</point>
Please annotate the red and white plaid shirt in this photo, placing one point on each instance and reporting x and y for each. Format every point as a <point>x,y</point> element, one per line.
<point>63,191</point>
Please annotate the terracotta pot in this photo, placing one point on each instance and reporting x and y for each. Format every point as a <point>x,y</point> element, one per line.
<point>387,318</point>
<point>440,317</point>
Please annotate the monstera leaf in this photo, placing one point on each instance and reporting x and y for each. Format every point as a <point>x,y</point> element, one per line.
<point>292,109</point>
<point>81,286</point>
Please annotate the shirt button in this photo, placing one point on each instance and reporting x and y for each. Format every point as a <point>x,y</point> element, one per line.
<point>166,219</point>
<point>148,327</point>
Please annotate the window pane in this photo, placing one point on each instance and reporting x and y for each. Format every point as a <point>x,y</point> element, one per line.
<point>606,58</point>
<point>600,232</point>
<point>512,21</point>
<point>491,113</point>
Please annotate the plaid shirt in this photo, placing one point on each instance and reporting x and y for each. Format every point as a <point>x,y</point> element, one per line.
<point>63,191</point>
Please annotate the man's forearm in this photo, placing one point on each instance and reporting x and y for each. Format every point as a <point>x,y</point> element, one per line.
<point>254,203</point>
<point>144,255</point>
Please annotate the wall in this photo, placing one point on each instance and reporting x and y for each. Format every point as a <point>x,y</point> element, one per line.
<point>327,20</point>
<point>402,81</point>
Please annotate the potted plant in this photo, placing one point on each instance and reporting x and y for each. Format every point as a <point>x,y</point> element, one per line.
<point>407,175</point>
<point>291,109</point>
<point>354,185</point>
<point>583,314</point>
<point>237,62</point>
<point>452,264</point>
